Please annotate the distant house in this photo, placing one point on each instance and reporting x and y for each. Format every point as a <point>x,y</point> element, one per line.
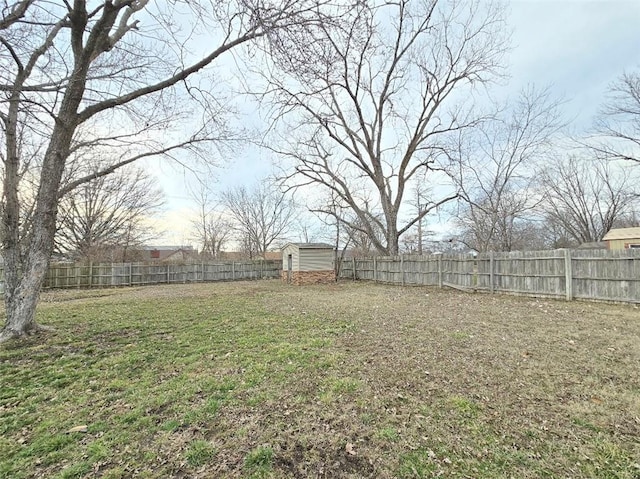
<point>169,254</point>
<point>622,238</point>
<point>273,255</point>
<point>243,256</point>
<point>308,263</point>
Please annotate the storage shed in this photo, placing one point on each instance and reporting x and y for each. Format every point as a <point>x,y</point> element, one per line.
<point>308,263</point>
<point>623,238</point>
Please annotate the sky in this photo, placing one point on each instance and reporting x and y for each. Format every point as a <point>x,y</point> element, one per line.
<point>577,48</point>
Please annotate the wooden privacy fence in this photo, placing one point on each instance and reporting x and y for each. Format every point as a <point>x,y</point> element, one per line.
<point>67,275</point>
<point>570,274</point>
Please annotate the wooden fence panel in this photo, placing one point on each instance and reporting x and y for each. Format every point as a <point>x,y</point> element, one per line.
<point>104,275</point>
<point>421,270</point>
<point>459,270</point>
<point>607,275</point>
<point>599,275</point>
<point>539,273</point>
<point>584,274</point>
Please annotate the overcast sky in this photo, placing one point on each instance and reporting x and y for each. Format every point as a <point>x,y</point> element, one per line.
<point>576,47</point>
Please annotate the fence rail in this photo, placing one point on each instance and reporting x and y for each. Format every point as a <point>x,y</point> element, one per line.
<point>101,275</point>
<point>570,274</point>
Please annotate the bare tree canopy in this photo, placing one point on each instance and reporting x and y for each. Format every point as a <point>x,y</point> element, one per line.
<point>120,76</point>
<point>582,199</point>
<point>619,121</point>
<point>211,229</point>
<point>262,216</point>
<point>367,105</point>
<point>497,164</point>
<point>107,216</point>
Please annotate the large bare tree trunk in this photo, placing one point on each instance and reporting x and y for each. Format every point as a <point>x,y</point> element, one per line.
<point>22,292</point>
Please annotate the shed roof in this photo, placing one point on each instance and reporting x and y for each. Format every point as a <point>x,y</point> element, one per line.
<point>310,245</point>
<point>622,233</point>
<point>593,245</point>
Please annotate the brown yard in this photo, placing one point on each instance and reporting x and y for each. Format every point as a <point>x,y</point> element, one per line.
<point>351,380</point>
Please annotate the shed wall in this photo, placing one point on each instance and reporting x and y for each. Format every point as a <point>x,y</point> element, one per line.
<point>293,251</point>
<point>620,243</point>
<point>314,260</point>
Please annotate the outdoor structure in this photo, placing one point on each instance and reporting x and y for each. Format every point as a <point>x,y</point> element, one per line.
<point>623,238</point>
<point>169,254</point>
<point>308,263</point>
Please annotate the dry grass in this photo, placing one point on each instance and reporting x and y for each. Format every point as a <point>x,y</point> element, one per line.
<point>349,380</point>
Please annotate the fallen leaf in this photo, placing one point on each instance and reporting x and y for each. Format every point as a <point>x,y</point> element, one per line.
<point>82,428</point>
<point>349,449</point>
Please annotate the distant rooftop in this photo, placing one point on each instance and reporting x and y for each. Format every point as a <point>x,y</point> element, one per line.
<point>622,233</point>
<point>311,245</point>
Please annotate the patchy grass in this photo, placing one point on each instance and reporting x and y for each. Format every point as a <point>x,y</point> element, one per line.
<point>339,381</point>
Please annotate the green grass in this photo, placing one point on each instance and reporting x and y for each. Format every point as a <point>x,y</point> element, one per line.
<point>199,453</point>
<point>259,462</point>
<point>261,380</point>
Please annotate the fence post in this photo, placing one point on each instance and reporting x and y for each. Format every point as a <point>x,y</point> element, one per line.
<point>568,274</point>
<point>402,268</point>
<point>440,271</point>
<point>354,268</point>
<point>90,282</point>
<point>167,273</point>
<point>375,270</point>
<point>233,271</point>
<point>130,274</point>
<point>491,276</point>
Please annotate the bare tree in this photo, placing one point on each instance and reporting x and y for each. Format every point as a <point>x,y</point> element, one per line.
<point>211,228</point>
<point>497,161</point>
<point>584,198</point>
<point>109,213</point>
<point>262,216</point>
<point>618,125</point>
<point>414,241</point>
<point>367,105</point>
<point>110,75</point>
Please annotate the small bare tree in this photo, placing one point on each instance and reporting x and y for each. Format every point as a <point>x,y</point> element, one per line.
<point>367,104</point>
<point>261,216</point>
<point>497,163</point>
<point>210,228</point>
<point>110,213</point>
<point>584,198</point>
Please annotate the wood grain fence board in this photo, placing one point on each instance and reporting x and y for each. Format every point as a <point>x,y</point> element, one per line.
<point>104,275</point>
<point>584,274</point>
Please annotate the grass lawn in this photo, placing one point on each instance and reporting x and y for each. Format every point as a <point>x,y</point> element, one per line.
<point>261,380</point>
